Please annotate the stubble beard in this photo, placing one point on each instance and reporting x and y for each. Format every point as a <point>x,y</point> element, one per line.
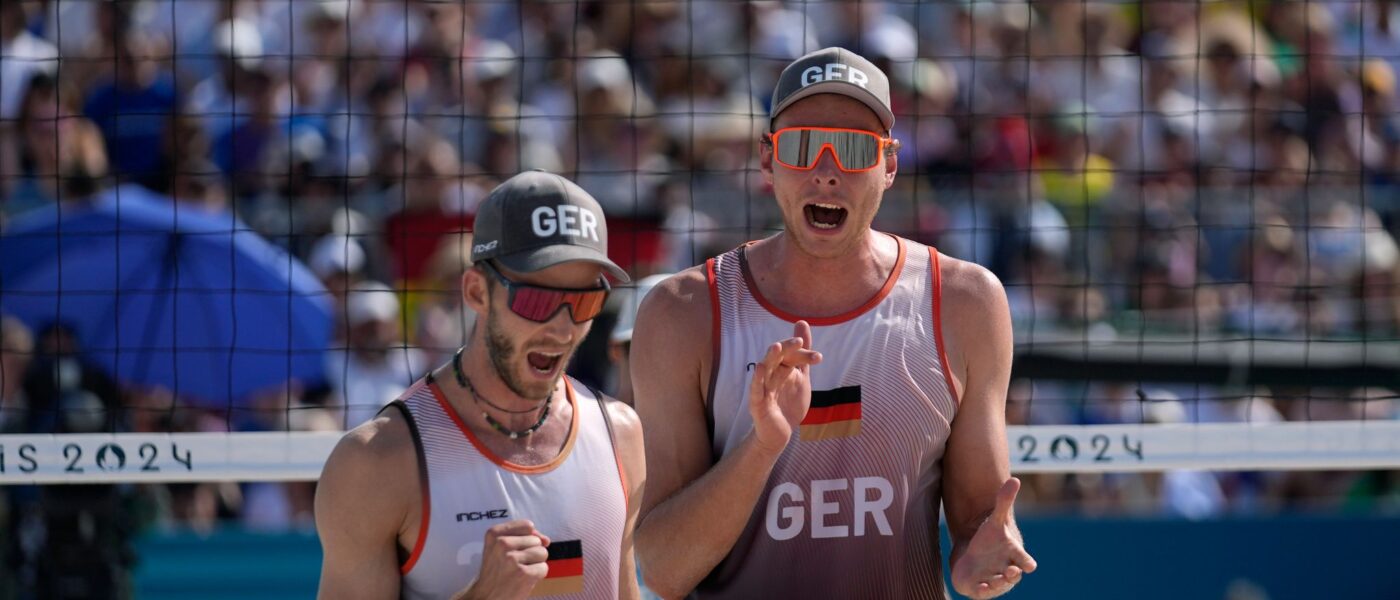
<point>503,355</point>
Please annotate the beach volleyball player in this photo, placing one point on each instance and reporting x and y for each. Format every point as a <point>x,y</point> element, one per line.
<point>811,399</point>
<point>497,476</point>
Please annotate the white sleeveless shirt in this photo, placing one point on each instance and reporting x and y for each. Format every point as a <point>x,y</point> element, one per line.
<point>851,507</point>
<point>579,500</point>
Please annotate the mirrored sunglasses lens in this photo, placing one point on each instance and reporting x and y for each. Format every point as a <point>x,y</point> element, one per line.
<point>587,305</point>
<point>536,304</point>
<point>791,148</point>
<point>801,148</point>
<point>856,150</point>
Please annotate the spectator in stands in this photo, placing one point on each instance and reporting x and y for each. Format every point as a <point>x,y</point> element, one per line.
<point>242,151</point>
<point>133,106</point>
<point>443,321</point>
<point>16,352</point>
<point>25,56</point>
<point>338,260</point>
<point>376,366</point>
<point>221,99</point>
<point>59,153</point>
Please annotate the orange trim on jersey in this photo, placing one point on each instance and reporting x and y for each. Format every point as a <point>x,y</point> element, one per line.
<point>617,452</point>
<point>425,488</point>
<point>503,463</point>
<point>838,319</point>
<point>938,323</point>
<point>622,477</point>
<point>422,534</point>
<point>715,331</point>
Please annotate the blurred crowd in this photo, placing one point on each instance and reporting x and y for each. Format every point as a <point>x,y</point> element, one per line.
<point>1204,170</point>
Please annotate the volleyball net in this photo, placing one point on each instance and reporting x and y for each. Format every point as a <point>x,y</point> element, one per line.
<point>231,230</point>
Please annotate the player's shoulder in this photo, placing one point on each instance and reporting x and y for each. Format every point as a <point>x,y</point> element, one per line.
<point>685,290</point>
<point>679,305</point>
<point>369,489</point>
<point>968,286</point>
<point>379,438</point>
<point>627,437</point>
<point>377,455</point>
<point>623,417</point>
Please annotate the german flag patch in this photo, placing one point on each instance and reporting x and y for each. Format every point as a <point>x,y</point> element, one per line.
<point>834,414</point>
<point>565,570</point>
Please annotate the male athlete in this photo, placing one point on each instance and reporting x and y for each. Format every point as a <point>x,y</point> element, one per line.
<point>813,467</point>
<point>496,476</point>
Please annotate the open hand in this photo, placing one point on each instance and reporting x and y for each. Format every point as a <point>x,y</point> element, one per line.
<point>781,390</point>
<point>995,559</point>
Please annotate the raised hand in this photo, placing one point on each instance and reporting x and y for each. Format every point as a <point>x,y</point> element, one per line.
<point>995,559</point>
<point>781,390</point>
<point>513,560</point>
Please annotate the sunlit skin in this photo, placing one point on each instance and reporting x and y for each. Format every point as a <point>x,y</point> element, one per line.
<point>850,252</point>
<point>369,502</point>
<point>826,183</point>
<point>987,563</point>
<point>817,270</point>
<point>497,362</point>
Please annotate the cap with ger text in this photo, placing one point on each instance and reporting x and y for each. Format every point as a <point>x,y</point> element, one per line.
<point>834,71</point>
<point>538,219</point>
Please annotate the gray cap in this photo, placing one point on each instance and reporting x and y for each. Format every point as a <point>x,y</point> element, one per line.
<point>536,220</point>
<point>834,71</point>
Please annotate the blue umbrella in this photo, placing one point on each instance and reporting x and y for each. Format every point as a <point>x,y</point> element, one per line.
<point>165,294</point>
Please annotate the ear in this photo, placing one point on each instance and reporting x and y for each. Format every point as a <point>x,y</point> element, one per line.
<point>476,293</point>
<point>891,162</point>
<point>765,157</point>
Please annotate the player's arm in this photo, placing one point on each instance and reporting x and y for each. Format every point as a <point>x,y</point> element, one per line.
<point>632,458</point>
<point>988,556</point>
<point>357,521</point>
<point>686,498</point>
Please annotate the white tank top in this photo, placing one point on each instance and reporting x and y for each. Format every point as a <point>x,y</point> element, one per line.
<point>578,499</point>
<point>851,508</point>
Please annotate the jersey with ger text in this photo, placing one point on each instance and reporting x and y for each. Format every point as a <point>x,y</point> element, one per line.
<point>851,508</point>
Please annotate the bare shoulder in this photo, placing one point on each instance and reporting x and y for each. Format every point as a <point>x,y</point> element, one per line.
<point>684,296</point>
<point>674,321</point>
<point>976,323</point>
<point>377,442</point>
<point>970,290</point>
<point>366,499</point>
<point>377,456</point>
<point>624,419</point>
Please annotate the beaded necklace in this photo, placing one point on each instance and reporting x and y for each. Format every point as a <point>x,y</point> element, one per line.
<point>506,431</point>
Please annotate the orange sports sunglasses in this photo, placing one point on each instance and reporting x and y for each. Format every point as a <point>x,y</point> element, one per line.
<point>855,150</point>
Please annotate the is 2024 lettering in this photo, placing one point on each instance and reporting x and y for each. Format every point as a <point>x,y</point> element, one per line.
<point>107,457</point>
<point>1067,448</point>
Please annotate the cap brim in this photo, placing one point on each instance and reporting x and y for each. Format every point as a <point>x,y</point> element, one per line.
<point>865,96</point>
<point>542,258</point>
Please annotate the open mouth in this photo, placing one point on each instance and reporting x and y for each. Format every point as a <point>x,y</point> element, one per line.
<point>824,216</point>
<point>544,362</point>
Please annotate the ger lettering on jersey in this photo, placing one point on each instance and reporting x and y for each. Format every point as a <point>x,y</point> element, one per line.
<point>846,511</point>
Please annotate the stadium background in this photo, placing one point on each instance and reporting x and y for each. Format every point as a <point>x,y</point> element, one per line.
<point>1186,171</point>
